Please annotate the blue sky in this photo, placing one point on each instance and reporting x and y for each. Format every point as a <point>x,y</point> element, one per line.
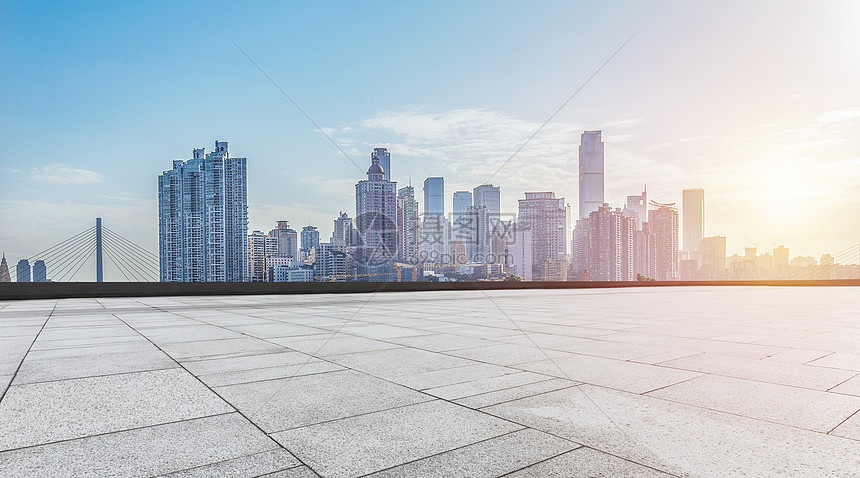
<point>754,101</point>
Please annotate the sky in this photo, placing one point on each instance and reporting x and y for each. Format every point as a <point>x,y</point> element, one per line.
<point>756,102</point>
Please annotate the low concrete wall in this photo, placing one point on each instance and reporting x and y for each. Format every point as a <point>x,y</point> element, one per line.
<point>61,290</point>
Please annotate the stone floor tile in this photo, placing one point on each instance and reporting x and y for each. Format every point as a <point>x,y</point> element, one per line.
<point>45,412</point>
<point>367,443</point>
<point>488,459</point>
<point>304,400</point>
<point>587,463</point>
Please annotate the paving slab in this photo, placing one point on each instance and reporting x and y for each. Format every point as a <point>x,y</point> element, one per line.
<point>799,407</point>
<point>219,348</point>
<point>333,344</point>
<point>399,362</point>
<point>257,464</point>
<point>485,385</point>
<point>515,393</point>
<point>450,376</point>
<point>360,445</point>
<point>619,374</point>
<point>314,366</point>
<point>838,360</point>
<point>304,400</point>
<point>36,369</point>
<point>587,463</point>
<point>141,452</point>
<point>46,412</point>
<point>804,376</point>
<point>245,362</point>
<point>486,459</point>
<point>681,439</point>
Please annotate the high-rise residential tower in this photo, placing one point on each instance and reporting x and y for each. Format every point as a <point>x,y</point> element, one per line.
<point>288,239</point>
<point>203,218</point>
<point>590,173</point>
<point>384,158</point>
<point>693,202</point>
<point>460,217</point>
<point>545,216</point>
<point>310,239</point>
<point>663,223</point>
<point>376,216</point>
<point>260,248</point>
<point>344,233</point>
<point>408,225</point>
<point>639,205</point>
<point>22,271</point>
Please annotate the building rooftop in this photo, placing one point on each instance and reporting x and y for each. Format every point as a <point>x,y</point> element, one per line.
<point>685,381</point>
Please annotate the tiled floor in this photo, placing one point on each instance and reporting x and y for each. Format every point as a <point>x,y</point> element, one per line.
<point>617,382</point>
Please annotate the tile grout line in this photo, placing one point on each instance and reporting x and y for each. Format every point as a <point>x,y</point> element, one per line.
<point>18,368</point>
<point>214,392</point>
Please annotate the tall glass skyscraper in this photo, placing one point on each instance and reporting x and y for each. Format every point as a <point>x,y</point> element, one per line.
<point>434,197</point>
<point>22,272</point>
<point>384,158</point>
<point>40,272</point>
<point>203,218</point>
<point>590,173</point>
<point>693,202</point>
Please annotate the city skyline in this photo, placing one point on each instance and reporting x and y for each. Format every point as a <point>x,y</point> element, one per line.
<point>769,154</point>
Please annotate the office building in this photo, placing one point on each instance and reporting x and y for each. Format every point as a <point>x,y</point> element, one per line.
<point>203,218</point>
<point>693,202</point>
<point>489,196</point>
<point>384,158</point>
<point>310,240</point>
<point>260,248</point>
<point>460,217</point>
<point>22,271</point>
<point>408,226</point>
<point>434,196</point>
<point>545,216</point>
<point>344,234</point>
<point>40,272</point>
<point>376,216</point>
<point>301,273</point>
<point>639,205</point>
<point>663,223</point>
<point>590,173</point>
<point>288,239</point>
<point>4,270</point>
<point>713,252</point>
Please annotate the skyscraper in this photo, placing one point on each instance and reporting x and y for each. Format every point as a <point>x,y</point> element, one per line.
<point>260,248</point>
<point>288,239</point>
<point>713,251</point>
<point>693,202</point>
<point>663,223</point>
<point>310,239</point>
<point>489,196</point>
<point>384,158</point>
<point>203,218</point>
<point>590,173</point>
<point>4,270</point>
<point>408,225</point>
<point>604,245</point>
<point>639,205</point>
<point>434,196</point>
<point>460,217</point>
<point>344,233</point>
<point>22,271</point>
<point>376,216</point>
<point>40,272</point>
<point>545,216</point>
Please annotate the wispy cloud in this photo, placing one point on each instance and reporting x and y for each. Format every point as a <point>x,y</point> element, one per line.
<point>9,170</point>
<point>62,174</point>
<point>839,116</point>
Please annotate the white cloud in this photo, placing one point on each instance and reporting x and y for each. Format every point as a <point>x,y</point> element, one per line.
<point>839,116</point>
<point>62,174</point>
<point>9,170</point>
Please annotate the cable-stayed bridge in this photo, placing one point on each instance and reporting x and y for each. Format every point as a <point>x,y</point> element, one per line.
<point>65,260</point>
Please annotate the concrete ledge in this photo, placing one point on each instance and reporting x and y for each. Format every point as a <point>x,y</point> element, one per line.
<point>62,290</point>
